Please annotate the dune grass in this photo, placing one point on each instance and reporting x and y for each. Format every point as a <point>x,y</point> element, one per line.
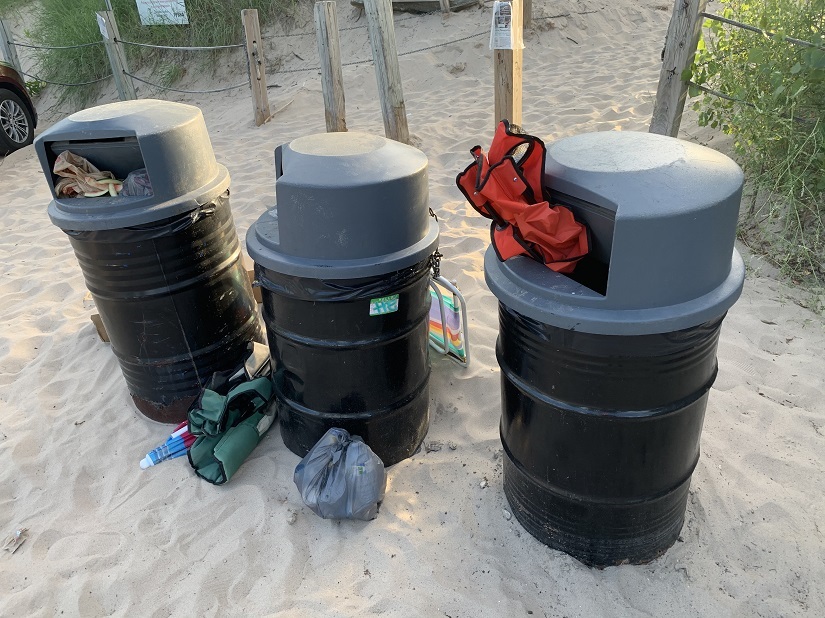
<point>7,6</point>
<point>61,23</point>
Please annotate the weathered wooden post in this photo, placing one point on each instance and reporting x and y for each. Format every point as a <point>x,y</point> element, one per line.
<point>7,45</point>
<point>507,67</point>
<point>117,58</point>
<point>528,13</point>
<point>680,46</point>
<point>332,77</point>
<point>385,55</point>
<point>257,68</point>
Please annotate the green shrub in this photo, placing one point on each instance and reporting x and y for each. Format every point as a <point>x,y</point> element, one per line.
<point>777,121</point>
<point>61,23</point>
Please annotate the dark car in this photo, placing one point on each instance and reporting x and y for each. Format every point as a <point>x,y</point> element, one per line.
<point>18,118</point>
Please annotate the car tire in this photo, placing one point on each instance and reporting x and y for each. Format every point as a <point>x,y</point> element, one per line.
<point>16,123</point>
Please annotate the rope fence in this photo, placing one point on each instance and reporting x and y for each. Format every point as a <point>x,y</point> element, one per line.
<point>347,29</point>
<point>370,60</point>
<point>9,48</point>
<point>170,89</point>
<point>178,48</point>
<point>125,80</point>
<point>767,33</point>
<point>32,46</point>
<point>51,83</point>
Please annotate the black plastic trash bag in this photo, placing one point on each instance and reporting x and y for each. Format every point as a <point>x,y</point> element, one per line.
<point>341,478</point>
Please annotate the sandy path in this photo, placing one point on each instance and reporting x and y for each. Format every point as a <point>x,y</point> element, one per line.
<point>107,538</point>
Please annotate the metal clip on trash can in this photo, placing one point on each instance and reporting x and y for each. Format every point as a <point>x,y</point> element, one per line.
<point>164,269</point>
<point>605,373</point>
<point>343,260</point>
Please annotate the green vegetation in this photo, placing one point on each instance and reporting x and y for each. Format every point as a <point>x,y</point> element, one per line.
<point>777,120</point>
<point>62,23</point>
<point>35,87</point>
<point>9,6</point>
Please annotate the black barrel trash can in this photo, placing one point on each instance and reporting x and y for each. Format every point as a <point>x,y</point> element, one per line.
<point>343,263</point>
<point>163,267</point>
<point>605,373</point>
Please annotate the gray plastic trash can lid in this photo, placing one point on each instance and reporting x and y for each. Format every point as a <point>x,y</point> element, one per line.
<point>662,214</point>
<point>169,139</point>
<point>348,205</point>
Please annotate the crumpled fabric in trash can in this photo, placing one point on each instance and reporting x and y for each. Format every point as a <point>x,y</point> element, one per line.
<point>506,185</point>
<point>80,178</point>
<point>341,478</point>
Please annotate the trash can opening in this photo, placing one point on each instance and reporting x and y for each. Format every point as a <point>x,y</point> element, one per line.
<point>593,269</point>
<point>119,155</point>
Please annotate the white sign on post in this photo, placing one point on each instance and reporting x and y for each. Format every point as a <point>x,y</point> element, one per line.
<point>502,33</point>
<point>101,23</point>
<point>162,12</point>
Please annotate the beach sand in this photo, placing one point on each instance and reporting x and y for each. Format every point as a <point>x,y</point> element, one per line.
<point>106,538</point>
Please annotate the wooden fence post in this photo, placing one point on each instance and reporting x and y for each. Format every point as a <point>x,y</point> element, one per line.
<point>507,66</point>
<point>385,55</point>
<point>528,13</point>
<point>332,77</point>
<point>680,46</point>
<point>257,67</point>
<point>7,45</point>
<point>117,58</point>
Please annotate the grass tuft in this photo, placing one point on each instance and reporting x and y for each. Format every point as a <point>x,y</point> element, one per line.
<point>61,23</point>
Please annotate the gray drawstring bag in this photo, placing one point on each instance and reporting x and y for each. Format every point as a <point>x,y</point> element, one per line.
<point>341,478</point>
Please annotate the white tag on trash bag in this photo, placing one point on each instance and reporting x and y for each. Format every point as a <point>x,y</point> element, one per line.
<point>341,478</point>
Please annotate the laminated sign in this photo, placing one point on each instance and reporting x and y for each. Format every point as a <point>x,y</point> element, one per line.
<point>162,12</point>
<point>505,33</point>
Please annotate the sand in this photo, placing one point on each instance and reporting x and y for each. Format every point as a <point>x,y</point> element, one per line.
<point>106,538</point>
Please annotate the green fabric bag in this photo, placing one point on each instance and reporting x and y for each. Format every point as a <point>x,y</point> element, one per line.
<point>229,427</point>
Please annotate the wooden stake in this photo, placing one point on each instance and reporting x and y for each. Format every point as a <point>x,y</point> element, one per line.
<point>528,13</point>
<point>387,73</point>
<point>257,68</point>
<point>7,45</point>
<point>117,57</point>
<point>101,328</point>
<point>680,46</point>
<point>332,76</point>
<point>249,267</point>
<point>507,66</point>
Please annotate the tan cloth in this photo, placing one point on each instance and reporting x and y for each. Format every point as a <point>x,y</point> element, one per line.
<point>79,177</point>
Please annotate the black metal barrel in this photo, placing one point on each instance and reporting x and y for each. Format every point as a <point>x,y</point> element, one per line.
<point>162,260</point>
<point>343,264</point>
<point>601,433</point>
<point>605,373</point>
<point>370,377</point>
<point>175,300</point>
